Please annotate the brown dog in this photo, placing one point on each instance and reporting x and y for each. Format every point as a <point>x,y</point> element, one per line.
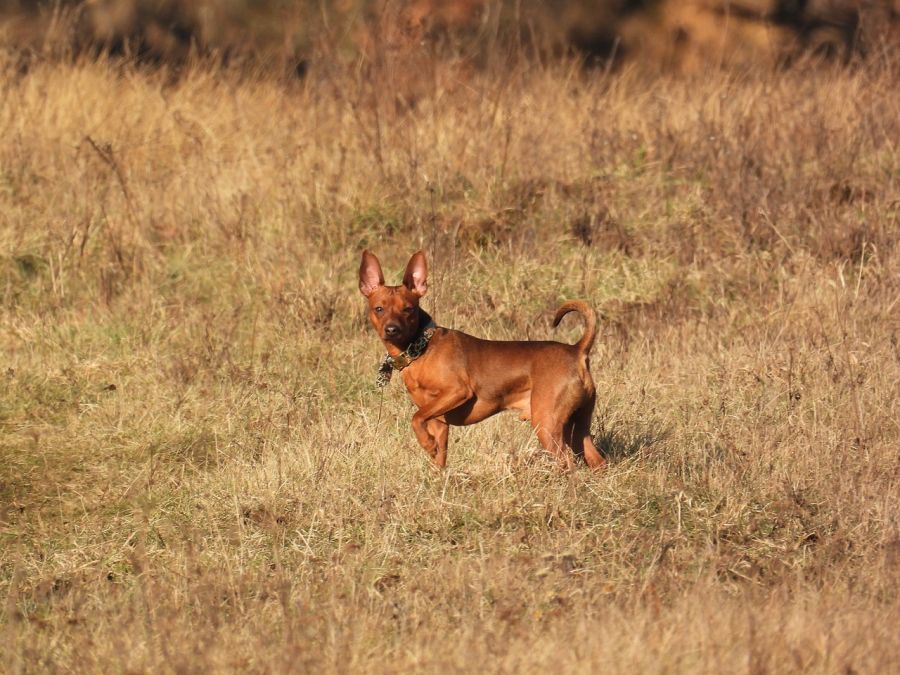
<point>458,379</point>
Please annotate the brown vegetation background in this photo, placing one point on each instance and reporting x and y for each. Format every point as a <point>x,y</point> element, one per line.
<point>197,473</point>
<point>682,34</point>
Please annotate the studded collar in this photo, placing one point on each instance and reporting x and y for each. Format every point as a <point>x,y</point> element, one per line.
<point>415,349</point>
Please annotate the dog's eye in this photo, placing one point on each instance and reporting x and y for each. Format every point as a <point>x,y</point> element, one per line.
<point>408,310</point>
<point>379,310</point>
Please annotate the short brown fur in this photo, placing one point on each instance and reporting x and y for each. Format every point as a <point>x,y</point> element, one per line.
<point>461,379</point>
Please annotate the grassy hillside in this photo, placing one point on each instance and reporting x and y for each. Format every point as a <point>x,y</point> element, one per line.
<point>196,472</point>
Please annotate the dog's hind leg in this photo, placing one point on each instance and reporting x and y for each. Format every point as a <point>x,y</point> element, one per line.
<point>550,433</point>
<point>578,435</point>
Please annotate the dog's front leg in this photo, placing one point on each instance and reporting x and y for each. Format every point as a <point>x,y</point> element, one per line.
<point>440,430</point>
<point>432,433</point>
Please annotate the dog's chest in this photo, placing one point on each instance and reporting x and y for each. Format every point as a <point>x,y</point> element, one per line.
<point>418,389</point>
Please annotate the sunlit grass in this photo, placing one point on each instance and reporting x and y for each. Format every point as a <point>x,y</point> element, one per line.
<point>197,473</point>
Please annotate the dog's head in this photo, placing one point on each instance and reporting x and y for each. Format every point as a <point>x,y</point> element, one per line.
<point>394,310</point>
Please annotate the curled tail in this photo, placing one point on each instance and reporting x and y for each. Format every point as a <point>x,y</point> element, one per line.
<point>590,319</point>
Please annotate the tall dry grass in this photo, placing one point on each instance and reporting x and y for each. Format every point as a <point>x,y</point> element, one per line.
<point>196,472</point>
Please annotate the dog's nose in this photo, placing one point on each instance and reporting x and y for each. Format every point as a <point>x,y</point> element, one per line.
<point>392,330</point>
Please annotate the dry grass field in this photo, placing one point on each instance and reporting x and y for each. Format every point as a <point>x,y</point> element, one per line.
<point>197,473</point>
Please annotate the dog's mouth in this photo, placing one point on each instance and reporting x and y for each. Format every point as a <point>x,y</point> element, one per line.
<point>399,335</point>
<point>399,339</point>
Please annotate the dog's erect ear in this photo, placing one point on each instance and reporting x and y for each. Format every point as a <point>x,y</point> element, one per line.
<point>416,273</point>
<point>370,275</point>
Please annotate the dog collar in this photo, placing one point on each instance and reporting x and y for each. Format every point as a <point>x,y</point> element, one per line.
<point>415,349</point>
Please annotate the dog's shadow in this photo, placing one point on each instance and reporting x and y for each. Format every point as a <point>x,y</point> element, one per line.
<point>625,442</point>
